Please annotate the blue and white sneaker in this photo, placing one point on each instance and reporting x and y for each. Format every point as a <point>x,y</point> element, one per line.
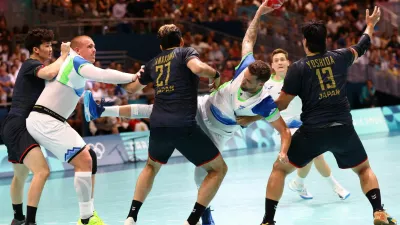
<point>206,218</point>
<point>92,109</point>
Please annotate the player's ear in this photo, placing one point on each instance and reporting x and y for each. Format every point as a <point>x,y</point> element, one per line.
<point>182,43</point>
<point>161,48</point>
<point>36,50</point>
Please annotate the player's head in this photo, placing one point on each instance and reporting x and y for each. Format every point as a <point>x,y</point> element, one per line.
<point>85,47</point>
<point>38,42</point>
<point>170,37</point>
<point>255,76</point>
<point>280,61</point>
<point>314,33</point>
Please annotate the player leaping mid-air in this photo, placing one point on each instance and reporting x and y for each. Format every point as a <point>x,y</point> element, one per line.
<point>291,115</point>
<point>319,79</point>
<point>217,112</point>
<point>47,121</point>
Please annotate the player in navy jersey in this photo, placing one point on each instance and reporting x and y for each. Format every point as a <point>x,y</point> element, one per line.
<point>23,151</point>
<point>175,73</point>
<point>319,80</point>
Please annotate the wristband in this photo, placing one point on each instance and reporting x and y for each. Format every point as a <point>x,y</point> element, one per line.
<point>217,75</point>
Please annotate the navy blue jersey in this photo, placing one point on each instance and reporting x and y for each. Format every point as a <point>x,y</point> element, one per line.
<point>176,87</point>
<point>27,89</point>
<point>320,82</point>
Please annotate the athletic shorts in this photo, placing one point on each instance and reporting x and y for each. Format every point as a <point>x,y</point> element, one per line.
<point>55,136</point>
<point>192,142</point>
<point>342,141</point>
<point>17,138</point>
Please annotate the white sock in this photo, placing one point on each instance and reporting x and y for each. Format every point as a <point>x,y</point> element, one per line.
<point>83,188</point>
<point>299,180</point>
<point>141,111</point>
<point>332,181</point>
<point>199,175</point>
<point>112,111</point>
<point>92,204</point>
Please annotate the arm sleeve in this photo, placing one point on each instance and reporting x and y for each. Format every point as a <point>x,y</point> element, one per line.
<point>187,54</point>
<point>89,71</point>
<point>268,109</point>
<point>292,83</point>
<point>244,63</point>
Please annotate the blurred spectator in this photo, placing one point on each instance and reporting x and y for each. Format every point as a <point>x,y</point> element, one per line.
<point>367,96</point>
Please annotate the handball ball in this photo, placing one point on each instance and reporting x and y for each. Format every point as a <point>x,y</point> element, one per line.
<point>275,4</point>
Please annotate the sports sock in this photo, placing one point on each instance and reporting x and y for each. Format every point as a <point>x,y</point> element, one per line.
<point>112,111</point>
<point>299,180</point>
<point>83,187</point>
<point>134,210</point>
<point>374,197</point>
<point>31,214</point>
<point>270,209</point>
<point>332,181</point>
<point>194,217</point>
<point>18,213</point>
<point>92,204</point>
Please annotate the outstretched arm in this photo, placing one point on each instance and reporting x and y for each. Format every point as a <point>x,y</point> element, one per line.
<point>110,76</point>
<point>250,38</point>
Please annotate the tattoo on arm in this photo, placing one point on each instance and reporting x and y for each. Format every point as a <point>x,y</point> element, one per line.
<point>250,38</point>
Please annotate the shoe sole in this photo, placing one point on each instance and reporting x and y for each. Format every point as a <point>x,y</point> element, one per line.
<point>345,197</point>
<point>294,190</point>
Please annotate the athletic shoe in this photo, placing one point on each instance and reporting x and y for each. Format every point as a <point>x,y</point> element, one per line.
<point>94,220</point>
<point>129,221</point>
<point>383,218</point>
<point>206,218</point>
<point>269,223</point>
<point>18,222</point>
<point>343,193</point>
<point>300,189</point>
<point>92,109</point>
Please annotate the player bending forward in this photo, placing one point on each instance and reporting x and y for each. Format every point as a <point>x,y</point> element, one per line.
<point>47,121</point>
<point>244,95</point>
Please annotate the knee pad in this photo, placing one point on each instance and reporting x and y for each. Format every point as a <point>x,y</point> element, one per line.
<point>94,161</point>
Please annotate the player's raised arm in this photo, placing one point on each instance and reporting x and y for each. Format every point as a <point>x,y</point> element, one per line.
<point>50,71</point>
<point>250,38</point>
<point>365,41</point>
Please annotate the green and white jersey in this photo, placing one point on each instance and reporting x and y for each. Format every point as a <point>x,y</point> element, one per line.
<point>229,101</point>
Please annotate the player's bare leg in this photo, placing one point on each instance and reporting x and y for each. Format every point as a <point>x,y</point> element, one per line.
<point>21,172</point>
<point>276,184</point>
<point>370,187</point>
<point>35,162</point>
<point>144,185</point>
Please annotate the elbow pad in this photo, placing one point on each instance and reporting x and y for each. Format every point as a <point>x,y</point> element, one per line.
<point>363,45</point>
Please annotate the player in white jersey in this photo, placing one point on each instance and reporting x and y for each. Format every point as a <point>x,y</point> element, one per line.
<point>217,113</point>
<point>291,115</point>
<point>47,121</point>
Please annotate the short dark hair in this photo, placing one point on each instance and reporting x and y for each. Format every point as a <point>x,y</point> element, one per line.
<point>315,33</point>
<point>278,51</point>
<point>169,36</point>
<point>261,70</point>
<point>36,37</point>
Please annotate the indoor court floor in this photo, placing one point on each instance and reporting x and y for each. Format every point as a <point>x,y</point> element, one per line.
<point>240,200</point>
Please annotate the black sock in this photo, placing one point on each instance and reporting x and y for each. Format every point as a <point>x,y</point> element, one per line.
<point>194,217</point>
<point>18,214</point>
<point>135,207</point>
<point>270,209</point>
<point>374,197</point>
<point>31,214</point>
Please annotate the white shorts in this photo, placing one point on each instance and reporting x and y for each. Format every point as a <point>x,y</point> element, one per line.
<point>202,120</point>
<point>55,136</point>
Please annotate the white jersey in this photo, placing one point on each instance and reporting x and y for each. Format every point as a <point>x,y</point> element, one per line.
<point>291,115</point>
<point>221,107</point>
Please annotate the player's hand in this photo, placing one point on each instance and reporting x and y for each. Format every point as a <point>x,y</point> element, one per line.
<point>283,158</point>
<point>65,47</point>
<point>270,5</point>
<point>138,74</point>
<point>374,18</point>
<point>244,121</point>
<point>213,83</point>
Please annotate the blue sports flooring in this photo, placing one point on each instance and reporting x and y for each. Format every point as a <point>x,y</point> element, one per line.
<point>240,200</point>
